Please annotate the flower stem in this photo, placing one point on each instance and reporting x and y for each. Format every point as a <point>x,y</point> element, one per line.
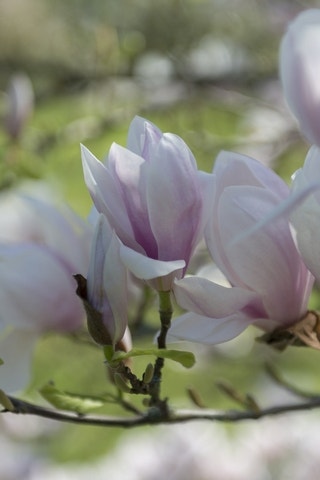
<point>165,311</point>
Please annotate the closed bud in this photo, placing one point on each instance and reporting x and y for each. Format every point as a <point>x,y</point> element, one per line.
<point>148,374</point>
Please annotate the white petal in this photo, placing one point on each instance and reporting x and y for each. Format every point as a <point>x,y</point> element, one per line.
<point>197,328</point>
<point>204,297</point>
<point>147,268</point>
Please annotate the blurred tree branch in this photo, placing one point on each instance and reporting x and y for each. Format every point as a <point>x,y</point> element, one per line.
<point>156,416</point>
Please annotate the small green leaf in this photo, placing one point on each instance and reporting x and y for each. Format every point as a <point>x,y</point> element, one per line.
<point>184,358</point>
<point>70,401</point>
<point>1,361</point>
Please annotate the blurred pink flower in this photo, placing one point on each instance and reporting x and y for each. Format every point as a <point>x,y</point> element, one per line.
<point>154,198</point>
<point>300,71</point>
<point>41,247</point>
<point>270,284</point>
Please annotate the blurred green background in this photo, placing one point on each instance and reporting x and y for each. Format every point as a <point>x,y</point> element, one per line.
<point>205,70</point>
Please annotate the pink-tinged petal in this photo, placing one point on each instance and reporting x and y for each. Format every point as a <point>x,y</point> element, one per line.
<point>211,272</point>
<point>115,281</point>
<point>269,262</point>
<point>100,243</point>
<point>146,268</point>
<point>206,186</point>
<point>17,348</point>
<point>151,141</point>
<point>174,199</point>
<point>282,210</point>
<point>305,218</point>
<point>139,129</point>
<point>130,174</point>
<point>210,331</point>
<point>30,214</point>
<point>300,71</point>
<point>106,286</point>
<point>107,197</point>
<point>62,230</point>
<point>235,169</point>
<point>204,297</point>
<point>37,290</point>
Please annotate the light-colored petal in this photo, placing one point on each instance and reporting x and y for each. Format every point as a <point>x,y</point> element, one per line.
<point>16,350</point>
<point>142,135</point>
<point>59,228</point>
<point>37,290</point>
<point>130,173</point>
<point>107,197</point>
<point>32,214</point>
<point>115,284</point>
<point>107,281</point>
<point>146,268</point>
<point>100,244</point>
<point>232,168</point>
<point>305,217</point>
<point>174,199</point>
<point>204,297</point>
<point>268,262</point>
<point>207,186</point>
<point>197,328</point>
<point>300,71</point>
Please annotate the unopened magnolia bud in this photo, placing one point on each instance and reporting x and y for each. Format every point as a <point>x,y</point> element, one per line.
<point>96,326</point>
<point>121,383</point>
<point>148,374</point>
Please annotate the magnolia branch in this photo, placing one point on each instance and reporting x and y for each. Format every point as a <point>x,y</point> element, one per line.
<point>156,416</point>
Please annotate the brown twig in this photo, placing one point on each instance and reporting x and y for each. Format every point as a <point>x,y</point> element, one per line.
<point>157,416</point>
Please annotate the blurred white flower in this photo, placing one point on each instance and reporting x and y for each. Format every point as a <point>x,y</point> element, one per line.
<point>42,246</point>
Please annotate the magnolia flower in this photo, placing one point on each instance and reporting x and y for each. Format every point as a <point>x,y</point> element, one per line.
<point>270,284</point>
<point>41,247</point>
<point>33,214</point>
<point>300,71</point>
<point>154,198</point>
<point>104,293</point>
<point>306,217</point>
<point>37,295</point>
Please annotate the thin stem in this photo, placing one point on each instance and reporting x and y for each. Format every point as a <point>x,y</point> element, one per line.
<point>157,416</point>
<point>165,312</point>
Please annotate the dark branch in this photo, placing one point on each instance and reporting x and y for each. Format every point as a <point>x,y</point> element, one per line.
<point>157,416</point>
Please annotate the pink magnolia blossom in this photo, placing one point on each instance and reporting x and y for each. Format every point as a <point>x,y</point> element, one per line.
<point>34,214</point>
<point>105,293</point>
<point>300,71</point>
<point>41,248</point>
<point>270,284</point>
<point>154,198</point>
<point>306,216</point>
